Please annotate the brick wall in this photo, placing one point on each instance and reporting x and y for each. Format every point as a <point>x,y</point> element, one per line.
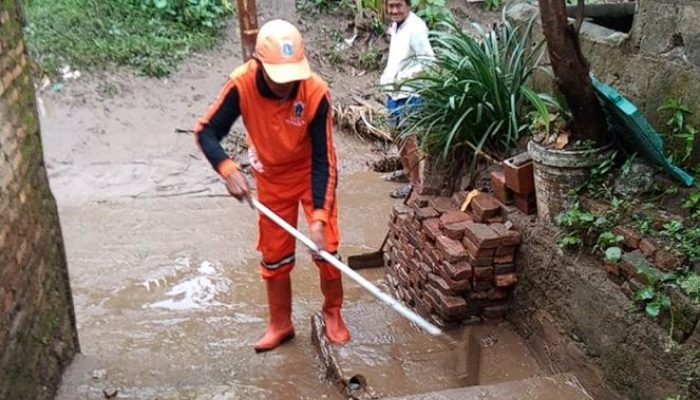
<point>37,325</point>
<point>449,265</point>
<point>575,319</point>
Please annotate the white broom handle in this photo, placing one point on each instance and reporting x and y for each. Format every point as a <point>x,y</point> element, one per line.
<point>359,279</point>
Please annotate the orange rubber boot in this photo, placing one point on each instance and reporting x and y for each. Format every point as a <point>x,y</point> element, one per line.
<point>332,290</point>
<point>279,302</point>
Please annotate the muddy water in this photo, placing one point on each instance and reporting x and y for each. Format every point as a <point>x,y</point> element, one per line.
<point>169,301</point>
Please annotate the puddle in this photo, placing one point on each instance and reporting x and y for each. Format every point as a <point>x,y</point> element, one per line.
<point>197,292</point>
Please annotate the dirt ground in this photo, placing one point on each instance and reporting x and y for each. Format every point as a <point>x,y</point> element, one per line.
<point>162,262</point>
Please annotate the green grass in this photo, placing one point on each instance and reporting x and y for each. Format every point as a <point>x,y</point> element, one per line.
<point>149,35</point>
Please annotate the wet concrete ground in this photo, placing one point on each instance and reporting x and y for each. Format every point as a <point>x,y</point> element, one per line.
<point>169,301</point>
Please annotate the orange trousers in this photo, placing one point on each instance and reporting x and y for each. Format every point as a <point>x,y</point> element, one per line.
<point>283,196</point>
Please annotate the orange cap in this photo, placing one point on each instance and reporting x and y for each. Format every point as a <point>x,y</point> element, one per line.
<point>280,48</point>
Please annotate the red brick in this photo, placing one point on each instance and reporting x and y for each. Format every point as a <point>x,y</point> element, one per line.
<point>482,236</point>
<point>612,268</point>
<point>458,198</point>
<point>419,201</point>
<point>410,252</point>
<point>500,190</point>
<point>503,268</point>
<point>508,237</point>
<point>525,202</point>
<point>454,217</point>
<point>401,219</point>
<point>459,286</point>
<point>614,273</point>
<point>479,262</point>
<point>458,271</point>
<point>403,277</point>
<point>631,237</point>
<point>519,176</point>
<point>423,305</point>
<point>441,284</point>
<point>504,250</point>
<point>484,206</point>
<point>668,259</point>
<point>506,280</point>
<point>450,306</point>
<point>512,238</point>
<point>425,270</point>
<point>400,209</point>
<point>629,263</point>
<point>455,231</point>
<point>480,297</point>
<point>476,252</point>
<point>648,247</point>
<point>426,213</point>
<point>483,286</point>
<point>507,259</point>
<point>499,219</point>
<point>412,237</point>
<point>432,257</point>
<point>430,297</point>
<point>483,274</point>
<point>442,204</point>
<point>452,250</point>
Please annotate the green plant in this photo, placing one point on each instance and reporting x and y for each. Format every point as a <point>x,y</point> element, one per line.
<point>690,284</point>
<point>613,254</point>
<point>686,239</point>
<point>433,12</point>
<point>369,59</point>
<point>683,134</point>
<point>581,145</point>
<point>643,222</point>
<point>577,224</point>
<point>152,36</point>
<point>692,204</point>
<point>492,5</point>
<point>315,7</point>
<point>597,182</point>
<point>377,25</point>
<point>475,94</point>
<point>192,13</point>
<point>607,239</point>
<point>336,58</point>
<point>652,296</point>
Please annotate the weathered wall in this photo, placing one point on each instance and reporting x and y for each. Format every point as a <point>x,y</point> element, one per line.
<point>37,324</point>
<point>668,29</point>
<point>576,320</point>
<point>659,59</point>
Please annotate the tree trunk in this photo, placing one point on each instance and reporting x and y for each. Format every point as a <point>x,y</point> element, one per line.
<point>572,72</point>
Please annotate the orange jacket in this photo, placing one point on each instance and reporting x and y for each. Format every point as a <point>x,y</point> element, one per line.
<point>292,137</point>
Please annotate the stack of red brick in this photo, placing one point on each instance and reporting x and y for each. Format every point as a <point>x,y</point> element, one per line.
<point>514,183</point>
<point>452,265</point>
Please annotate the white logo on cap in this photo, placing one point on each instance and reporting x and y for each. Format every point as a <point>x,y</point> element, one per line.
<point>287,49</point>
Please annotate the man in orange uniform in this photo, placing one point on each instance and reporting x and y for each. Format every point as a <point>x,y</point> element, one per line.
<point>286,111</point>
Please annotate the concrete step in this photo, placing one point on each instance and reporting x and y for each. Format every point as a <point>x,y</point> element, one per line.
<point>556,387</point>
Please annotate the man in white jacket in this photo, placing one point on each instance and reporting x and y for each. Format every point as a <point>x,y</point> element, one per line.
<point>408,52</point>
